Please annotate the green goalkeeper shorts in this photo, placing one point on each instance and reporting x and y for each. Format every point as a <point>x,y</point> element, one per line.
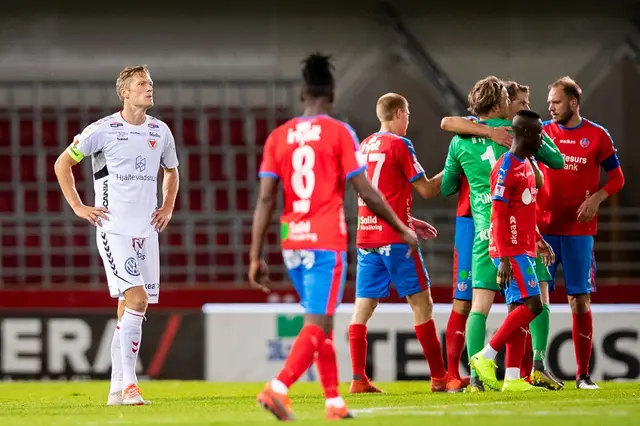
<point>542,272</point>
<point>483,271</point>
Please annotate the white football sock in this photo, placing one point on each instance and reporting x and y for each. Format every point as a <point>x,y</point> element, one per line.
<point>489,352</point>
<point>116,362</point>
<point>511,373</point>
<point>130,342</point>
<point>279,387</point>
<point>336,402</point>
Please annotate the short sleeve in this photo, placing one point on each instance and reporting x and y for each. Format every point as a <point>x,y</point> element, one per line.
<point>607,156</point>
<point>406,156</point>
<point>269,166</point>
<point>86,143</point>
<point>169,159</point>
<point>352,160</point>
<point>499,179</point>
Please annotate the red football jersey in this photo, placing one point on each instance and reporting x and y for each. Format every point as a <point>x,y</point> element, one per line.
<point>464,200</point>
<point>513,211</point>
<point>391,167</point>
<point>313,157</point>
<point>584,149</point>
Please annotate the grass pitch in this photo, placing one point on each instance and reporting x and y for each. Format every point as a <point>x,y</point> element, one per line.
<point>405,403</point>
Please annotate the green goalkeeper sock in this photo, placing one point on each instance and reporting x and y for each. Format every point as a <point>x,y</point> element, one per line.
<point>540,337</point>
<point>475,334</point>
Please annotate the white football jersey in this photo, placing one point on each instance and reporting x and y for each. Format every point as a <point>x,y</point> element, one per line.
<point>126,160</point>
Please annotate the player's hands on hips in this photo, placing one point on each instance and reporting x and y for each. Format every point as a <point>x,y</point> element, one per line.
<point>505,273</point>
<point>502,136</point>
<point>94,215</point>
<point>588,208</point>
<point>425,230</point>
<point>259,276</point>
<point>546,252</point>
<point>411,239</point>
<point>161,217</point>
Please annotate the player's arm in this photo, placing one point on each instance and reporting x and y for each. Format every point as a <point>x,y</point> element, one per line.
<point>428,187</point>
<point>405,156</point>
<point>465,126</point>
<point>450,183</point>
<point>262,217</point>
<point>170,184</point>
<point>609,161</point>
<point>549,153</point>
<point>83,144</point>
<point>265,206</point>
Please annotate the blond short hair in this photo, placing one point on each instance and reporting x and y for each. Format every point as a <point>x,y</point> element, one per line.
<point>569,87</point>
<point>485,95</point>
<point>388,104</point>
<point>126,75</point>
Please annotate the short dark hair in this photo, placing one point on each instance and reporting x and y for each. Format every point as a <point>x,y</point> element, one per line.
<point>525,113</point>
<point>569,87</point>
<point>317,73</point>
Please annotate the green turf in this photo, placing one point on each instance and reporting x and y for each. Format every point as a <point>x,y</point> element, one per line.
<point>405,403</point>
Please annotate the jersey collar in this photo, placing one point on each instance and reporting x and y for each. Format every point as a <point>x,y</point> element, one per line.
<point>572,128</point>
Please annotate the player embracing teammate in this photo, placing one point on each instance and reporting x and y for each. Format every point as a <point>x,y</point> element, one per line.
<point>474,157</point>
<point>567,206</point>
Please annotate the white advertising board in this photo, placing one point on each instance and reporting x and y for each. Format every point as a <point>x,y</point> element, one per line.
<point>249,342</point>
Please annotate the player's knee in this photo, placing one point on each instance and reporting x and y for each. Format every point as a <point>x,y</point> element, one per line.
<point>136,298</point>
<point>482,300</point>
<point>422,306</point>
<point>363,310</point>
<point>325,322</point>
<point>579,304</point>
<point>462,307</point>
<point>534,304</point>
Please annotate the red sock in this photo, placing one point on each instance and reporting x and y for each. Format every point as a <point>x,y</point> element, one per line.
<point>519,317</point>
<point>527,357</point>
<point>428,338</point>
<point>582,340</point>
<point>328,367</point>
<point>301,355</point>
<point>455,342</point>
<point>358,349</point>
<point>515,349</point>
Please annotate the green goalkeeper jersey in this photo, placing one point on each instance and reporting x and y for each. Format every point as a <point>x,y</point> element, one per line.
<point>475,157</point>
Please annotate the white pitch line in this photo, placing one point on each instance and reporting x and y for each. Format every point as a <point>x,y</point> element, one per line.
<point>430,409</point>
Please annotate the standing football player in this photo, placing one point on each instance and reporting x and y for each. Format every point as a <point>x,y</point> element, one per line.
<point>568,207</point>
<point>313,155</point>
<point>128,148</point>
<point>475,157</point>
<point>394,169</point>
<point>533,367</point>
<point>513,245</point>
